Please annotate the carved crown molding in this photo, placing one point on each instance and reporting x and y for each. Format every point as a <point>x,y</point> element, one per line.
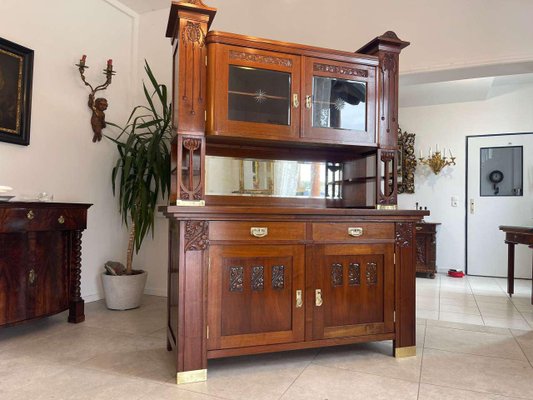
<point>260,58</point>
<point>196,235</point>
<point>335,69</point>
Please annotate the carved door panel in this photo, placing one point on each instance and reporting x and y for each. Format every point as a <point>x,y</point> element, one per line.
<point>253,93</point>
<point>49,290</point>
<point>13,279</point>
<point>339,102</point>
<point>256,295</point>
<point>353,290</point>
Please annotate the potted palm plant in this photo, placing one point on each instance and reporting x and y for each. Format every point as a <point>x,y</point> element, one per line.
<point>140,176</point>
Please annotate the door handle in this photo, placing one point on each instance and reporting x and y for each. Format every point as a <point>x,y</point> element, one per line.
<point>299,299</point>
<point>472,206</point>
<point>295,100</point>
<point>318,297</point>
<point>308,101</point>
<point>32,276</point>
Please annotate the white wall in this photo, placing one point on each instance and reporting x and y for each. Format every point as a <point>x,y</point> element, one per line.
<point>507,109</point>
<point>61,157</point>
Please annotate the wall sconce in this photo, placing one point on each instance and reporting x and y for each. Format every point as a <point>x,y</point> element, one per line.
<point>99,105</point>
<point>437,161</point>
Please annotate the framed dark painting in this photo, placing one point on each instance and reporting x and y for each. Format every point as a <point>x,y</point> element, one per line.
<point>16,70</point>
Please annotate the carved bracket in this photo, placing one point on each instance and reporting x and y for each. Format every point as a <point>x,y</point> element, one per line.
<point>404,234</point>
<point>196,235</point>
<point>190,168</point>
<point>406,145</point>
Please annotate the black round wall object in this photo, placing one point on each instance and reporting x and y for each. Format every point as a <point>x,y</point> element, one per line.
<point>496,176</point>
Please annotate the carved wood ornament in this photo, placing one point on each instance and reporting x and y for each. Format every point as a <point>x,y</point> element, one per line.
<point>404,234</point>
<point>335,69</point>
<point>196,235</point>
<point>260,58</point>
<point>406,145</point>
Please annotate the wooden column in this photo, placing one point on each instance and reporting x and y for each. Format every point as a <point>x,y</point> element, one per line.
<point>188,24</point>
<point>76,303</point>
<point>405,302</point>
<point>387,48</point>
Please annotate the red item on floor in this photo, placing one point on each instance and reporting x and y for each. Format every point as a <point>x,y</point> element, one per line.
<point>455,274</point>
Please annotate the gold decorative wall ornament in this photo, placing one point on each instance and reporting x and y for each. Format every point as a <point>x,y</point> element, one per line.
<point>437,160</point>
<point>407,162</point>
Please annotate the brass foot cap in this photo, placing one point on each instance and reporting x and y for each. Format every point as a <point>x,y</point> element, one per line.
<point>199,375</point>
<point>401,352</point>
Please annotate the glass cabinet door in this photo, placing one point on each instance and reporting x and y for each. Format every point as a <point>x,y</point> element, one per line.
<point>339,101</point>
<point>256,93</point>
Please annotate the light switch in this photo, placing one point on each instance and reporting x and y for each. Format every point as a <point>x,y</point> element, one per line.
<point>455,201</point>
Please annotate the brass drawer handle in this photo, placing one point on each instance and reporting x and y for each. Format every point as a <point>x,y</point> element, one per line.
<point>299,299</point>
<point>295,100</point>
<point>308,101</point>
<point>61,219</point>
<point>30,215</point>
<point>418,228</point>
<point>259,231</point>
<point>318,297</point>
<point>355,231</point>
<point>32,276</point>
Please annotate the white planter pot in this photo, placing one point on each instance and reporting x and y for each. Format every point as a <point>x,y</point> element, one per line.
<point>124,292</point>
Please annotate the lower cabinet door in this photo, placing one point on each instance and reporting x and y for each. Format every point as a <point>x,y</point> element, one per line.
<point>351,290</point>
<point>256,295</point>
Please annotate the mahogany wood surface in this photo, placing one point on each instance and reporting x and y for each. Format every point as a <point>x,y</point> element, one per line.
<point>426,248</point>
<point>40,260</point>
<point>232,293</point>
<point>516,235</point>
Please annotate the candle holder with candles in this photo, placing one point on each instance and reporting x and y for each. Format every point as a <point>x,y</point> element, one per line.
<point>99,105</point>
<point>437,160</point>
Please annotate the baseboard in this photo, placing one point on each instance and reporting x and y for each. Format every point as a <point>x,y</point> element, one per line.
<point>92,297</point>
<point>156,292</point>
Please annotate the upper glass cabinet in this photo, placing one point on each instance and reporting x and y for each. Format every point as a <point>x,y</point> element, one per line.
<point>259,95</point>
<point>339,101</point>
<point>253,93</point>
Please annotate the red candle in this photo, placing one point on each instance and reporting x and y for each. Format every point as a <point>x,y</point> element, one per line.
<point>83,58</point>
<point>109,63</point>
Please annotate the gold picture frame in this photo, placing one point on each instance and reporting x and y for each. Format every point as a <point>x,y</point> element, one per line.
<point>16,70</point>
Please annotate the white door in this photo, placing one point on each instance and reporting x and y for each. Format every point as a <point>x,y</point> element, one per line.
<point>499,192</point>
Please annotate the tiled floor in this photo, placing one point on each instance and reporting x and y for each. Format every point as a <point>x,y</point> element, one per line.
<point>122,355</point>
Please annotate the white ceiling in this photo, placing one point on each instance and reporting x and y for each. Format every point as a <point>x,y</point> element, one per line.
<point>144,6</point>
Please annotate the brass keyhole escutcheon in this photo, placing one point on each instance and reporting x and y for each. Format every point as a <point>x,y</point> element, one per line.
<point>61,219</point>
<point>308,100</point>
<point>32,276</point>
<point>299,299</point>
<point>30,215</point>
<point>318,297</point>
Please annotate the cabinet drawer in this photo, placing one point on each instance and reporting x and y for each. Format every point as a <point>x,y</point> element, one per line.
<point>425,228</point>
<point>41,219</point>
<point>256,231</point>
<point>330,232</point>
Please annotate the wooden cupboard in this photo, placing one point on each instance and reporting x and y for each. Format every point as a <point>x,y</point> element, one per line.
<point>40,260</point>
<point>257,270</point>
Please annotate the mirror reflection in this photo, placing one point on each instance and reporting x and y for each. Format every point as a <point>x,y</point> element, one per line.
<point>255,177</point>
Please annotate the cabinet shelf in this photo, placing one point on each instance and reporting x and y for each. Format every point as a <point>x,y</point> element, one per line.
<point>256,95</point>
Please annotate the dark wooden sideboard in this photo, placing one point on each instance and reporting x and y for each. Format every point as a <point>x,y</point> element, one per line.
<point>269,270</point>
<point>40,260</point>
<point>426,248</point>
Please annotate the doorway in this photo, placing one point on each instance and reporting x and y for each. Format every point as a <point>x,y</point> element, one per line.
<point>499,191</point>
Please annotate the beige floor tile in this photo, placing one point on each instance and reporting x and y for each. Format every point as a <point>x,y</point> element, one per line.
<point>456,308</point>
<point>427,303</point>
<point>512,323</point>
<point>261,377</point>
<point>432,392</point>
<point>373,358</point>
<point>427,314</point>
<point>481,374</point>
<point>176,393</point>
<point>465,301</point>
<point>82,384</point>
<point>459,317</point>
<point>137,357</point>
<point>318,382</point>
<point>141,321</point>
<point>470,327</point>
<point>483,344</point>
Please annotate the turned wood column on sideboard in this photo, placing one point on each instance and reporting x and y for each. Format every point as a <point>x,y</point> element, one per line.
<point>284,227</point>
<point>40,260</point>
